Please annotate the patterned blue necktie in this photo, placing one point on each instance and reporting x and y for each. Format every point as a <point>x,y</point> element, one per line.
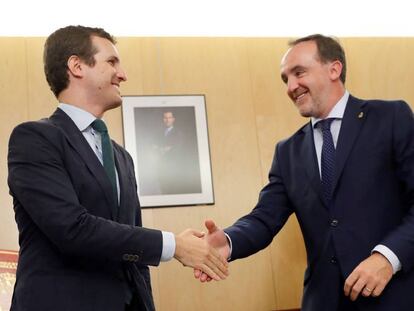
<point>327,159</point>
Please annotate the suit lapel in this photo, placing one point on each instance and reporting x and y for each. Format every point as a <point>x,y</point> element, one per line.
<point>308,156</point>
<point>354,116</point>
<point>79,143</point>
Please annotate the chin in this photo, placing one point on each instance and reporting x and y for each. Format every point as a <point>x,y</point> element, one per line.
<point>114,105</point>
<point>305,112</point>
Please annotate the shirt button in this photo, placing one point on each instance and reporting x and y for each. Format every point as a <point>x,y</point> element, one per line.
<point>334,223</point>
<point>333,260</point>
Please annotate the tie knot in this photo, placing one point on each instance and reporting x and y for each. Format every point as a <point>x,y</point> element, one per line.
<point>99,126</point>
<point>325,125</point>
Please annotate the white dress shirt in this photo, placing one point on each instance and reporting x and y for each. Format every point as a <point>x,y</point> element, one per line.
<point>83,121</point>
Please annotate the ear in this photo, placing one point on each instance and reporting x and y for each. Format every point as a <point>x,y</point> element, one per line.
<point>335,70</point>
<point>75,66</point>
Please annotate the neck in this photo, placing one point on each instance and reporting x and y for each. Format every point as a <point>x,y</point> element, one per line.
<point>334,97</point>
<point>78,100</point>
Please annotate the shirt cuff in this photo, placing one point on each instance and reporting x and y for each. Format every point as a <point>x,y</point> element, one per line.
<point>230,245</point>
<point>168,246</point>
<point>389,254</point>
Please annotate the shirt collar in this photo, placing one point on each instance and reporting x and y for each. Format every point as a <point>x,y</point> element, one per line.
<point>337,111</point>
<point>80,117</point>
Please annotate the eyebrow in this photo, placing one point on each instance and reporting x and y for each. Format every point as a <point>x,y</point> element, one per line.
<point>115,58</point>
<point>297,67</point>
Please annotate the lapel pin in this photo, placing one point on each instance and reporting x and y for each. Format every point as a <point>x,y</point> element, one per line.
<point>361,115</point>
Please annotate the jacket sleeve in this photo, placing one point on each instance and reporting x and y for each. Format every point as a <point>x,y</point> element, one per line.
<point>45,195</point>
<point>401,239</point>
<point>256,230</point>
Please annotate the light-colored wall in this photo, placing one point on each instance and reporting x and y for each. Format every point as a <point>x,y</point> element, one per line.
<point>248,112</point>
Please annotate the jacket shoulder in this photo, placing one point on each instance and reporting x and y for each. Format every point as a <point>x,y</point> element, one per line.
<point>298,134</point>
<point>32,134</point>
<point>386,105</point>
<point>44,124</point>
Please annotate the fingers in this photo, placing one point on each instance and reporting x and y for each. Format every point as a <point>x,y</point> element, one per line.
<point>369,278</point>
<point>205,278</point>
<point>207,270</point>
<point>367,290</point>
<point>218,264</point>
<point>197,273</point>
<point>358,288</point>
<point>206,253</point>
<point>349,283</point>
<point>359,284</point>
<point>215,264</point>
<point>378,289</point>
<point>210,225</point>
<point>198,234</point>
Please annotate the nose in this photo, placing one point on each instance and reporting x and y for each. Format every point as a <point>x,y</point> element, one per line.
<point>121,74</point>
<point>292,85</point>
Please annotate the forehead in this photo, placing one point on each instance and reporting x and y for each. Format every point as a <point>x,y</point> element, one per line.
<point>302,54</point>
<point>104,46</point>
<point>168,115</point>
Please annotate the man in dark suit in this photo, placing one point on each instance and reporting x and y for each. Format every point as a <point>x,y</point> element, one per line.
<point>350,182</point>
<point>171,161</point>
<point>82,246</point>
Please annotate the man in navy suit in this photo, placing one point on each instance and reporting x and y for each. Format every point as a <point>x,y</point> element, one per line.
<point>350,185</point>
<point>82,246</point>
<point>171,160</point>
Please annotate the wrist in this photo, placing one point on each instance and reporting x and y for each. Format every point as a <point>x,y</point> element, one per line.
<point>178,243</point>
<point>386,263</point>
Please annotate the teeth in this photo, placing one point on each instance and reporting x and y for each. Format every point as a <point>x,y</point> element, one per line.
<point>300,96</point>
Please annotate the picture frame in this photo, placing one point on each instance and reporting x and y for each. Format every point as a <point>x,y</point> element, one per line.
<point>167,137</point>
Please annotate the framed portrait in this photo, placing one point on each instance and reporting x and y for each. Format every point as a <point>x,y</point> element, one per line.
<point>167,138</point>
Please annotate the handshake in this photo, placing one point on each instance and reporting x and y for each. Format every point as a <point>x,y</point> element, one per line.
<point>206,253</point>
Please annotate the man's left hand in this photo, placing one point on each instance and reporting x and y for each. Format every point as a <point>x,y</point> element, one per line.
<point>369,278</point>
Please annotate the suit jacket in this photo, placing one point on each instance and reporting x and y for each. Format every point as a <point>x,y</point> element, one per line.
<point>77,252</point>
<point>373,203</point>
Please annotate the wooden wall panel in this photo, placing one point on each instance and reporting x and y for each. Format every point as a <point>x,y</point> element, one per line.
<point>276,119</point>
<point>187,64</point>
<point>381,67</point>
<point>248,112</point>
<point>41,101</point>
<point>14,110</point>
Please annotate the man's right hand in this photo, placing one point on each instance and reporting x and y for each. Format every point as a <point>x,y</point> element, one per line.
<point>194,251</point>
<point>217,239</point>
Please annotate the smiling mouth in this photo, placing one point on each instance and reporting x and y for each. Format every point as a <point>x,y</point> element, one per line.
<point>299,98</point>
<point>117,87</point>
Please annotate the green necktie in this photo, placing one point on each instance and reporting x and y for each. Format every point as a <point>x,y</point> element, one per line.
<point>107,154</point>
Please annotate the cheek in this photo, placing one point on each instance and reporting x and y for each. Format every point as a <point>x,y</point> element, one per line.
<point>290,94</point>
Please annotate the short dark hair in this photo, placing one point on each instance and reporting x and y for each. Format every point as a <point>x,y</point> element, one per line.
<point>329,49</point>
<point>62,44</point>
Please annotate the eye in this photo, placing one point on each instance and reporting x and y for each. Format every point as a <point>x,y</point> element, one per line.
<point>111,62</point>
<point>299,73</point>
